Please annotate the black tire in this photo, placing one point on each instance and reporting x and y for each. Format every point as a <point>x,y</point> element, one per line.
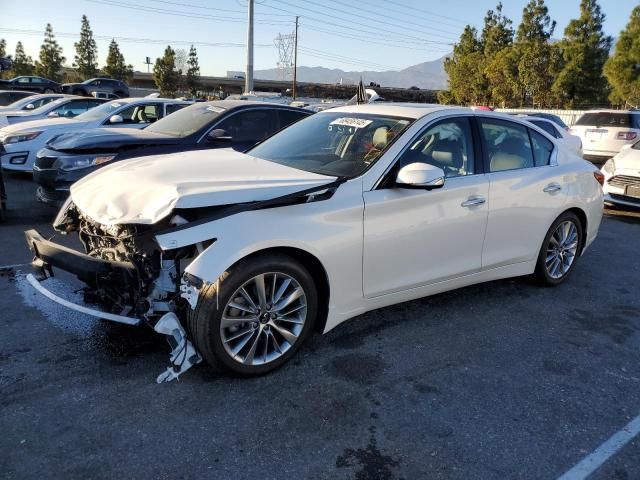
<point>80,93</point>
<point>542,274</point>
<point>204,323</point>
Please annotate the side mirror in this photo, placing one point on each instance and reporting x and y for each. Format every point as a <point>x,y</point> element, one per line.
<point>30,106</point>
<point>116,119</point>
<point>219,135</point>
<point>420,175</point>
<point>53,115</point>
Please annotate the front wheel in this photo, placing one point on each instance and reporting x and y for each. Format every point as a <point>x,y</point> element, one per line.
<point>560,250</point>
<point>257,316</point>
<point>48,90</point>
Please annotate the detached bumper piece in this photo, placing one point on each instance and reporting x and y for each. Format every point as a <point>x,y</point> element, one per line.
<point>183,354</point>
<point>88,269</point>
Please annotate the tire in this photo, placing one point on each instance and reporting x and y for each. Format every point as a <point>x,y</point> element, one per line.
<point>228,346</point>
<point>558,254</point>
<point>47,90</point>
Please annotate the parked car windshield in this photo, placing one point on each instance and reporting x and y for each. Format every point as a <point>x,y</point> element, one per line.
<point>97,113</point>
<point>186,121</point>
<point>339,144</point>
<point>610,119</point>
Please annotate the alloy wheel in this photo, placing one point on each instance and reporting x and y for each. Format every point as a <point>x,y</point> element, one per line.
<point>263,318</point>
<point>562,249</point>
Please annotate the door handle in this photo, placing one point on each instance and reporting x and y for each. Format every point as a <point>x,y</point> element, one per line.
<point>473,202</point>
<point>552,188</point>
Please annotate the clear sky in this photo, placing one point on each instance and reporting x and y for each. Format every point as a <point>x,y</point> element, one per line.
<point>371,35</point>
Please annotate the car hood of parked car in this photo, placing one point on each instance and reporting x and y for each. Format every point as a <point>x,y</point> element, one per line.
<point>628,159</point>
<point>108,139</point>
<point>42,124</point>
<point>147,189</point>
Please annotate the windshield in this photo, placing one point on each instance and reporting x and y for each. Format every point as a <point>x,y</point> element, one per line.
<point>338,144</point>
<point>23,102</point>
<point>97,113</point>
<point>186,121</point>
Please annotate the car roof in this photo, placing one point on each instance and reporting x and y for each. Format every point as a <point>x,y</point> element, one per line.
<point>18,92</point>
<point>237,104</point>
<point>408,110</point>
<point>144,99</point>
<point>610,110</point>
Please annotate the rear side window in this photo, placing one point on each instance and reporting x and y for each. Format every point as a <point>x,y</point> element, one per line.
<point>508,145</point>
<point>287,117</point>
<point>542,149</point>
<point>547,127</point>
<point>608,119</point>
<point>174,107</point>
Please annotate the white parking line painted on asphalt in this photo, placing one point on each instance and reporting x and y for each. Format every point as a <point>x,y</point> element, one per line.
<point>3,267</point>
<point>592,462</point>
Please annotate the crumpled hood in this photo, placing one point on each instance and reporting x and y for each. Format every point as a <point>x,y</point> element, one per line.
<point>145,190</point>
<point>108,139</point>
<point>628,159</point>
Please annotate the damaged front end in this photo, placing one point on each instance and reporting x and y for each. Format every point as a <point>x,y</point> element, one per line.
<point>128,277</point>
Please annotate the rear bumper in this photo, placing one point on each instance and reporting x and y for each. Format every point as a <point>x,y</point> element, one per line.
<point>624,200</point>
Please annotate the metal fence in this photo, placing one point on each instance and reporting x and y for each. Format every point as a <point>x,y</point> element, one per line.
<point>568,116</point>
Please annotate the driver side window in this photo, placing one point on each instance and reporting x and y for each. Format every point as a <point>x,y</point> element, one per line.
<point>447,145</point>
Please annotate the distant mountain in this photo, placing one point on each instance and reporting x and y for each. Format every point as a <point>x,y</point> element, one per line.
<point>427,75</point>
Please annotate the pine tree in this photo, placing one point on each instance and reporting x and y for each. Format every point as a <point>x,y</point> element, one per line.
<point>502,75</point>
<point>22,64</point>
<point>165,74</point>
<point>86,59</point>
<point>193,71</point>
<point>585,49</point>
<point>467,83</point>
<point>51,58</point>
<point>537,60</point>
<point>3,48</point>
<point>498,67</point>
<point>116,67</point>
<point>497,33</point>
<point>623,67</point>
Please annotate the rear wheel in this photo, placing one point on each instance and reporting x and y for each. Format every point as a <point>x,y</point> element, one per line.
<point>257,316</point>
<point>560,250</point>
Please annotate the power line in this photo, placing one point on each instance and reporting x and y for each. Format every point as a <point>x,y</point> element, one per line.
<point>179,13</point>
<point>206,7</point>
<point>369,36</point>
<point>312,52</point>
<point>359,14</point>
<point>351,24</point>
<point>414,11</point>
<point>19,31</point>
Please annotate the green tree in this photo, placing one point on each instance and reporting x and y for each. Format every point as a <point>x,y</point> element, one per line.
<point>623,67</point>
<point>22,63</point>
<point>116,67</point>
<point>51,59</point>
<point>193,71</point>
<point>86,59</point>
<point>3,48</point>
<point>537,60</point>
<point>467,83</point>
<point>497,33</point>
<point>502,75</point>
<point>165,74</point>
<point>585,49</point>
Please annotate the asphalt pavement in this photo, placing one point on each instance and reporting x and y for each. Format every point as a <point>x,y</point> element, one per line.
<point>504,380</point>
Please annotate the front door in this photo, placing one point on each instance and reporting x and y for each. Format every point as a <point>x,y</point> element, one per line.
<point>418,237</point>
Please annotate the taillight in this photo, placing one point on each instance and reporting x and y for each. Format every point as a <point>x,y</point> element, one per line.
<point>627,135</point>
<point>599,176</point>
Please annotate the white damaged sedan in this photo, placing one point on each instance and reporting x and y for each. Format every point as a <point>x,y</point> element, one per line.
<point>239,257</point>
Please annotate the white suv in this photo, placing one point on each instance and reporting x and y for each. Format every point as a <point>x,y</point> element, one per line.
<point>605,132</point>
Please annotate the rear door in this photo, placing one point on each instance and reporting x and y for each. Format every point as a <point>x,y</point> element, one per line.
<point>526,192</point>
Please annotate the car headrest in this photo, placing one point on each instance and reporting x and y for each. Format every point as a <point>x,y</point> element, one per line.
<point>448,153</point>
<point>381,138</point>
<point>445,158</point>
<point>505,161</point>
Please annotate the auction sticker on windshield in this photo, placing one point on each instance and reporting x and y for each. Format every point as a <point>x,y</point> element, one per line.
<point>215,109</point>
<point>352,122</point>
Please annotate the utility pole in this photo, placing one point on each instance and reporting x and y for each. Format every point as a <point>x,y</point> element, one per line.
<point>295,59</point>
<point>248,78</point>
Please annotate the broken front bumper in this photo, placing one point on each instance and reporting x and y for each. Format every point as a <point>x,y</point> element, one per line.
<point>88,269</point>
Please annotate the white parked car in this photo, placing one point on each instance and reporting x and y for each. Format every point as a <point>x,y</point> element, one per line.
<point>31,102</point>
<point>605,132</point>
<point>65,106</point>
<point>622,177</point>
<point>564,138</point>
<point>345,211</point>
<point>20,143</point>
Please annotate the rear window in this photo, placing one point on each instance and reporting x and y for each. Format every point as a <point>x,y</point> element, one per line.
<point>610,119</point>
